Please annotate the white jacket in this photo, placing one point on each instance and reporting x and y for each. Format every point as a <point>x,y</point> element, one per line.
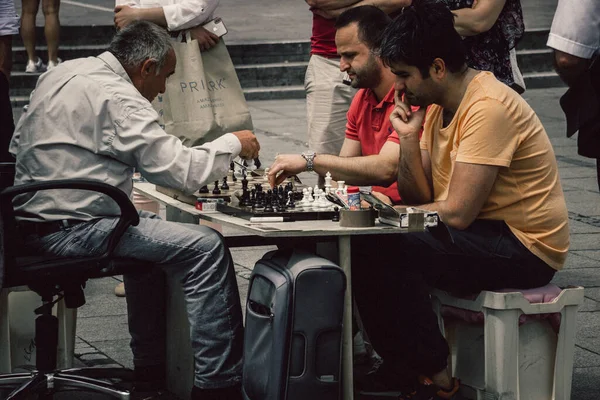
<point>180,14</point>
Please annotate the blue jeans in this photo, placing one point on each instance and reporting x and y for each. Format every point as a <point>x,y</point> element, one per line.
<point>199,260</point>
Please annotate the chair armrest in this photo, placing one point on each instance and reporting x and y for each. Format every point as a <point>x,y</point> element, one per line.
<point>129,215</point>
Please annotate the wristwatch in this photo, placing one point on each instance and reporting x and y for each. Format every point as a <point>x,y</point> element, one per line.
<point>309,156</point>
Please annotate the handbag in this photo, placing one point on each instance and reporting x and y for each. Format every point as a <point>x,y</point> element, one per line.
<point>203,99</point>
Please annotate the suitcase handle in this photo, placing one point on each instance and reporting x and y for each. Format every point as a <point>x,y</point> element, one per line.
<point>260,309</point>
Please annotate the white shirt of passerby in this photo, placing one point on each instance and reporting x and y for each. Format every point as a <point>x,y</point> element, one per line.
<point>9,20</point>
<point>180,14</point>
<point>576,28</point>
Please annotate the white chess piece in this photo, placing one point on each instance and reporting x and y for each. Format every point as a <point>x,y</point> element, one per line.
<point>305,202</point>
<point>328,182</point>
<point>266,175</point>
<point>340,187</point>
<point>230,181</point>
<point>310,195</point>
<point>316,205</point>
<point>323,202</point>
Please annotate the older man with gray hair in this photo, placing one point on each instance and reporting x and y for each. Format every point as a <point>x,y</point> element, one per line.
<point>92,118</point>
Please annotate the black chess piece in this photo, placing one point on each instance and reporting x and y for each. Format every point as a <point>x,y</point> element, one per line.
<point>216,189</point>
<point>232,168</point>
<point>269,201</point>
<point>245,200</point>
<point>203,189</point>
<point>257,163</point>
<point>225,186</point>
<point>253,197</point>
<point>290,202</point>
<point>260,199</point>
<point>336,214</point>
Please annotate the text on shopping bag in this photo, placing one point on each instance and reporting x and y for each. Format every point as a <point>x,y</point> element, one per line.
<point>210,86</point>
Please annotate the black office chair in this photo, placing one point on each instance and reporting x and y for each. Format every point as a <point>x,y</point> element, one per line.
<point>54,278</point>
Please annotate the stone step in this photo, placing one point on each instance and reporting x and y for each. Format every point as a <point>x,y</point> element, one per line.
<point>73,35</point>
<point>534,39</point>
<point>250,76</point>
<point>241,54</point>
<point>269,75</point>
<point>275,93</point>
<point>542,80</point>
<point>535,60</point>
<point>270,70</point>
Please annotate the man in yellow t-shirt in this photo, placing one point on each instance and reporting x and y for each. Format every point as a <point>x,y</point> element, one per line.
<point>486,165</point>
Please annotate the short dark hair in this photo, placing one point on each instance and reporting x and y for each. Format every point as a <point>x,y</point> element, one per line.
<point>420,34</point>
<point>371,23</point>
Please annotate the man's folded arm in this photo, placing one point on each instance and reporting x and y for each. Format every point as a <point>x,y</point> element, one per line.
<point>470,187</point>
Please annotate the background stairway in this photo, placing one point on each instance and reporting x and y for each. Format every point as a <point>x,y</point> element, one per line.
<point>271,70</point>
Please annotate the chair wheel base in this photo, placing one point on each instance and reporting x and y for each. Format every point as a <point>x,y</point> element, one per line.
<point>25,385</point>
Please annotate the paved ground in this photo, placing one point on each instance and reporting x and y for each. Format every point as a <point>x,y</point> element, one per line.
<point>102,336</point>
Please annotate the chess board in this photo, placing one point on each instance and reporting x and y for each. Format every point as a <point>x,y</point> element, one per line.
<point>258,200</point>
<point>297,214</point>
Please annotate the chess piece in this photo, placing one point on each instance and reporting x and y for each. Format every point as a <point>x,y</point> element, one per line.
<point>340,187</point>
<point>328,182</point>
<point>216,188</point>
<point>269,201</point>
<point>310,198</point>
<point>336,214</point>
<point>245,200</point>
<point>323,202</point>
<point>225,186</point>
<point>230,176</point>
<point>290,200</point>
<point>253,197</point>
<point>203,189</point>
<point>266,175</point>
<point>232,170</point>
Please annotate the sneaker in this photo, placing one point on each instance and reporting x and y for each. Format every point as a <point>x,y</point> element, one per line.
<point>52,64</point>
<point>35,66</point>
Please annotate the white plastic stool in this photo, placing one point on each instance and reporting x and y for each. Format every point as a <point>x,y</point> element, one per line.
<point>17,329</point>
<point>502,359</point>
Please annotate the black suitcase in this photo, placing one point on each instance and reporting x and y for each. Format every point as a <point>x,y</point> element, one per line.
<point>293,334</point>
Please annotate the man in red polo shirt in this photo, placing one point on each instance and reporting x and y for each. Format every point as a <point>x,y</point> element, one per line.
<point>327,98</point>
<point>369,155</point>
